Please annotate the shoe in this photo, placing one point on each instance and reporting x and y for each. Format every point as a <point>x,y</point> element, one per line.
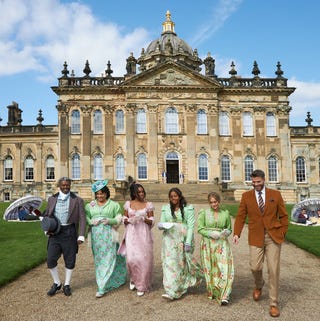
<point>140,293</point>
<point>132,286</point>
<point>274,311</point>
<point>99,295</point>
<point>67,290</point>
<point>167,296</point>
<point>55,287</point>
<point>256,294</point>
<point>224,302</point>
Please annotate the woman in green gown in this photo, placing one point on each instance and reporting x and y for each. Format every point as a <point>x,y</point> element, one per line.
<point>214,224</point>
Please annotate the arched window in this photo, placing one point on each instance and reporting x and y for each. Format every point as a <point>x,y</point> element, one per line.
<point>50,167</point>
<point>271,124</point>
<point>224,129</point>
<point>300,169</point>
<point>120,168</point>
<point>225,168</point>
<point>273,169</point>
<point>97,122</point>
<point>119,121</point>
<point>75,122</point>
<point>142,166</point>
<point>248,168</point>
<point>75,166</point>
<point>29,168</point>
<point>203,167</point>
<point>8,168</point>
<point>247,121</point>
<point>98,167</point>
<point>202,122</point>
<point>141,121</point>
<point>171,121</point>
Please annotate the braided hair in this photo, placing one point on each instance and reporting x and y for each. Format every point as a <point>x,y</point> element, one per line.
<point>182,202</point>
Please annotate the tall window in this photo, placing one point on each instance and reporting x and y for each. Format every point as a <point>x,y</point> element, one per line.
<point>75,166</point>
<point>141,121</point>
<point>271,124</point>
<point>225,168</point>
<point>98,167</point>
<point>142,166</point>
<point>300,169</point>
<point>203,167</point>
<point>119,121</point>
<point>224,129</point>
<point>97,122</point>
<point>29,168</point>
<point>50,167</point>
<point>273,169</point>
<point>171,121</point>
<point>75,122</point>
<point>248,168</point>
<point>8,169</point>
<point>202,122</point>
<point>247,124</point>
<point>120,168</point>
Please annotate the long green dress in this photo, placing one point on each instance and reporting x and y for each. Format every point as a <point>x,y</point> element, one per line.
<point>180,270</point>
<point>216,255</point>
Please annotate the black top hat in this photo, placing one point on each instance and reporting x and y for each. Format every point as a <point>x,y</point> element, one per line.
<point>51,224</point>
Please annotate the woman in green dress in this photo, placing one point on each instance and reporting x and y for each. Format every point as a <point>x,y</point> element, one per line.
<point>180,270</point>
<point>214,224</point>
<point>103,215</point>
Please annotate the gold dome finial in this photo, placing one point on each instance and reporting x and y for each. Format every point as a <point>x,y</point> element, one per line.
<point>168,25</point>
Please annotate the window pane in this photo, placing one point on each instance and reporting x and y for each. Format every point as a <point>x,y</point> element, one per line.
<point>76,166</point>
<point>224,123</point>
<point>119,122</point>
<point>142,166</point>
<point>171,121</point>
<point>28,168</point>
<point>203,167</point>
<point>141,121</point>
<point>248,168</point>
<point>75,122</point>
<point>271,124</point>
<point>8,168</point>
<point>120,169</point>
<point>50,168</point>
<point>247,124</point>
<point>97,122</point>
<point>273,169</point>
<point>225,168</point>
<point>300,170</point>
<point>98,167</point>
<point>201,122</point>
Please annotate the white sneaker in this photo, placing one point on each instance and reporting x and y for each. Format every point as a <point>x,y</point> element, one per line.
<point>167,296</point>
<point>132,286</point>
<point>99,295</point>
<point>224,302</point>
<point>140,293</point>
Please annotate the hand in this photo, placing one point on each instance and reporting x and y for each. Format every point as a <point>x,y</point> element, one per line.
<point>187,247</point>
<point>225,233</point>
<point>147,221</point>
<point>235,239</point>
<point>105,221</point>
<point>125,221</point>
<point>215,235</point>
<point>95,222</point>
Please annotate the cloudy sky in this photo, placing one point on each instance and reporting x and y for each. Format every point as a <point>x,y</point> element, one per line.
<point>37,36</point>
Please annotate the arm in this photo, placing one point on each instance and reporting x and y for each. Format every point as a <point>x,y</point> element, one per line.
<point>116,214</point>
<point>150,215</point>
<point>190,220</point>
<point>283,216</point>
<point>240,220</point>
<point>82,221</point>
<point>202,230</point>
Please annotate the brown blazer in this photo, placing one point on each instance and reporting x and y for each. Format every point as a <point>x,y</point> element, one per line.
<point>274,218</point>
<point>76,211</point>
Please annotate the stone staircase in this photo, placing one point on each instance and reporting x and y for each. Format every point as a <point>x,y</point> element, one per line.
<point>194,193</point>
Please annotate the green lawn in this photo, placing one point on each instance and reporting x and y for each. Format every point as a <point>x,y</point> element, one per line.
<point>23,245</point>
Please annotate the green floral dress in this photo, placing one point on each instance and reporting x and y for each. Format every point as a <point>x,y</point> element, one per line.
<point>180,270</point>
<point>216,255</point>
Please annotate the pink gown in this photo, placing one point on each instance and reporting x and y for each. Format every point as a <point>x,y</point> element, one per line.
<point>138,242</point>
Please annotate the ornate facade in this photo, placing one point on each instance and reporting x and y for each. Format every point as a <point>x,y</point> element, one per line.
<point>165,121</point>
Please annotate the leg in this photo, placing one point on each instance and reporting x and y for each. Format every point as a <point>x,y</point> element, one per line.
<point>256,265</point>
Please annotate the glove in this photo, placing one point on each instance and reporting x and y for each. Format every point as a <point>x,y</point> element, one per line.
<point>187,247</point>
<point>105,221</point>
<point>215,235</point>
<point>225,233</point>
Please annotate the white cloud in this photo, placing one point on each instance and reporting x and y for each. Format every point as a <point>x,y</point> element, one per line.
<point>48,32</point>
<point>222,11</point>
<point>305,98</point>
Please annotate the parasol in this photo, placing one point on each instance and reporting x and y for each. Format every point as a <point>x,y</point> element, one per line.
<point>310,204</point>
<point>11,212</point>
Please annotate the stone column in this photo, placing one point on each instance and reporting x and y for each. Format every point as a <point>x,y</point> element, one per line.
<point>153,144</point>
<point>130,139</point>
<point>109,141</point>
<point>190,129</point>
<point>63,111</point>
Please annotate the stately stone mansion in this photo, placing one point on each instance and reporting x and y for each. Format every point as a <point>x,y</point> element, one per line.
<point>169,120</point>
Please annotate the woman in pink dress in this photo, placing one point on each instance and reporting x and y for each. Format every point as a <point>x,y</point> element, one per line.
<point>138,240</point>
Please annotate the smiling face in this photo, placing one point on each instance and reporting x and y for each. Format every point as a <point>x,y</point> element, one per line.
<point>174,198</point>
<point>101,196</point>
<point>141,194</point>
<point>65,187</point>
<point>214,203</point>
<point>257,183</point>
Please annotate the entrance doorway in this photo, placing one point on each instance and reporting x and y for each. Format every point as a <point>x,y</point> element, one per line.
<point>172,166</point>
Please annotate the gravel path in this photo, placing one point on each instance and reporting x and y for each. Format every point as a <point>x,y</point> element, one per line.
<point>25,299</point>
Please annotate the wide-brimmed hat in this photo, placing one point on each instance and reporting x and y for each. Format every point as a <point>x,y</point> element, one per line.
<point>51,224</point>
<point>98,185</point>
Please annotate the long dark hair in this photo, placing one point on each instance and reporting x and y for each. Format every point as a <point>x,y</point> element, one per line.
<point>134,187</point>
<point>182,202</point>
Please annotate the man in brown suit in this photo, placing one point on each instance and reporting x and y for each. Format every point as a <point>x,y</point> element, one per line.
<point>267,226</point>
<point>68,208</point>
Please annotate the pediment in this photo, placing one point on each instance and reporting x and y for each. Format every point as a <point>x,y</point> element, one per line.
<point>171,74</point>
